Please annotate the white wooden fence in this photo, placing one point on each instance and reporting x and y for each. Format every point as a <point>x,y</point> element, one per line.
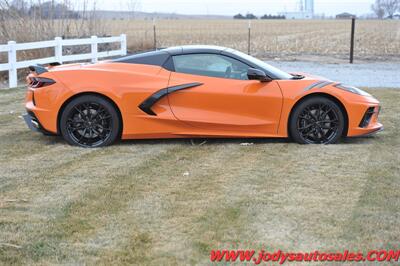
<point>12,47</point>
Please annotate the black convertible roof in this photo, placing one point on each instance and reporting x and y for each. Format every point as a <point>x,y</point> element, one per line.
<point>163,58</point>
<point>159,57</point>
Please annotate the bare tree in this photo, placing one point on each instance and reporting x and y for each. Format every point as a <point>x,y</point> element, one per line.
<point>385,7</point>
<point>20,5</point>
<point>37,20</point>
<point>390,7</point>
<point>377,8</point>
<point>133,6</point>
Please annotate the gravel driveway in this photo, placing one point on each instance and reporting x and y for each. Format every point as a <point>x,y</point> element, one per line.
<point>374,75</point>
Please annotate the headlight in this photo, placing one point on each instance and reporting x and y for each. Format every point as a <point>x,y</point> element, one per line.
<point>352,89</point>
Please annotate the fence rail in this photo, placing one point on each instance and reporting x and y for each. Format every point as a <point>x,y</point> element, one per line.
<point>58,43</point>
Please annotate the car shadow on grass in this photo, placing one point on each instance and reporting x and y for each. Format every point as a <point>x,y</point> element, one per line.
<point>205,141</point>
<point>239,141</point>
<point>55,140</point>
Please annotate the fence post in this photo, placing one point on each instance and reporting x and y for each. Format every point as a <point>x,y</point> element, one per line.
<point>58,49</point>
<point>248,38</point>
<point>353,24</point>
<point>12,61</point>
<point>93,46</point>
<point>154,34</point>
<point>123,44</point>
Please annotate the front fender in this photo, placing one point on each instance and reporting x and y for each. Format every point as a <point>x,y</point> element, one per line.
<point>294,91</point>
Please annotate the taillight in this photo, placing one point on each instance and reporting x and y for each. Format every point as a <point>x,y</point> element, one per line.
<point>36,82</point>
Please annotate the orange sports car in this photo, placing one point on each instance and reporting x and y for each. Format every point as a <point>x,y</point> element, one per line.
<point>192,91</point>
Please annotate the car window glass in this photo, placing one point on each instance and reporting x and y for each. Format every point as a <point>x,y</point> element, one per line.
<point>212,65</point>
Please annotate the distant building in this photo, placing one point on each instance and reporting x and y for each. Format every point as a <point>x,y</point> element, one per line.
<point>345,15</point>
<point>305,11</point>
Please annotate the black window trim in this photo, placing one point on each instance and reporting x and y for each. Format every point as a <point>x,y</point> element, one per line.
<point>169,63</point>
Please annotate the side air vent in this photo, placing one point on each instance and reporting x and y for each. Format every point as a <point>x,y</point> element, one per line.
<point>367,117</point>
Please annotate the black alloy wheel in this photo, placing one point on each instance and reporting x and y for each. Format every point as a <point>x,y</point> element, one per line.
<point>90,121</point>
<point>317,120</point>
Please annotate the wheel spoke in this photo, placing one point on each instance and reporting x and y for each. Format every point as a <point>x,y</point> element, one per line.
<point>75,122</point>
<point>83,134</point>
<point>88,113</point>
<point>79,111</point>
<point>105,118</point>
<point>322,134</point>
<point>318,115</point>
<point>326,112</point>
<point>330,121</point>
<point>76,128</point>
<point>305,127</point>
<point>304,117</point>
<point>327,127</point>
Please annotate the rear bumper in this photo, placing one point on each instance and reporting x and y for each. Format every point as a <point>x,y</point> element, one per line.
<point>33,123</point>
<point>40,109</point>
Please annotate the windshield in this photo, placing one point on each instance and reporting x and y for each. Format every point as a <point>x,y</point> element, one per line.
<point>279,74</point>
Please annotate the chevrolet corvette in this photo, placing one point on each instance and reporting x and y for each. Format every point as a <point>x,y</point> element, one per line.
<point>189,92</point>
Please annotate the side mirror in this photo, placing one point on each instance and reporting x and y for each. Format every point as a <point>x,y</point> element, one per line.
<point>256,74</point>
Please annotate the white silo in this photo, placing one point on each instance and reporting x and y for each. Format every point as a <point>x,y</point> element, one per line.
<point>309,6</point>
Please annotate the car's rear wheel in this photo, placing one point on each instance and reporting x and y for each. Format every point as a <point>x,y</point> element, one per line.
<point>90,121</point>
<point>317,120</point>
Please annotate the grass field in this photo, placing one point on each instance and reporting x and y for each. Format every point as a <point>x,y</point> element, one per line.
<point>374,39</point>
<point>169,202</point>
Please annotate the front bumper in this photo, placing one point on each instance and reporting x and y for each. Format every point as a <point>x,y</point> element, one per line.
<point>363,119</point>
<point>377,129</point>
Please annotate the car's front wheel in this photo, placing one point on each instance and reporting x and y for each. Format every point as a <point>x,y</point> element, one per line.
<point>317,120</point>
<point>90,121</point>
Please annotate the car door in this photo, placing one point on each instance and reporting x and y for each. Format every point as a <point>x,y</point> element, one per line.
<point>212,91</point>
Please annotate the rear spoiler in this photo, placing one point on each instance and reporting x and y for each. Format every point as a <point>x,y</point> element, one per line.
<point>39,69</point>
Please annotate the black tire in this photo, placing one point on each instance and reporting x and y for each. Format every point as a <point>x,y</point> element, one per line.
<point>317,120</point>
<point>90,121</point>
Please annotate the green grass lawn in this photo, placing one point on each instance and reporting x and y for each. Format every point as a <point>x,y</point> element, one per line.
<point>170,202</point>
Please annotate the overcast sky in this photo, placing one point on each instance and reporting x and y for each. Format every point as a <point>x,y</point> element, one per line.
<point>230,7</point>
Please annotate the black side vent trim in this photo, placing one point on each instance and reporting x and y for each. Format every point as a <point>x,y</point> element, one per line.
<point>326,83</point>
<point>367,117</point>
<point>146,105</point>
<point>318,85</point>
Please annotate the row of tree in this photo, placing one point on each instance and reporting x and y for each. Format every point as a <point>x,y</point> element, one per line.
<point>381,8</point>
<point>252,16</point>
<point>385,8</point>
<point>46,10</point>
